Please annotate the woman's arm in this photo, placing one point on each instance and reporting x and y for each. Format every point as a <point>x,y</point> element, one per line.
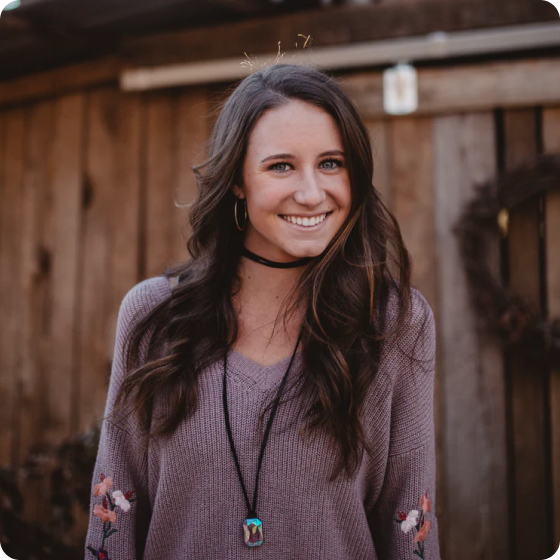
<point>403,520</point>
<point>119,505</point>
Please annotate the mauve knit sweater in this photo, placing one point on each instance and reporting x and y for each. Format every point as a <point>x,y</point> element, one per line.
<point>180,499</point>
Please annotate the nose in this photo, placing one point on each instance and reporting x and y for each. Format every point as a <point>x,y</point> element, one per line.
<point>310,192</point>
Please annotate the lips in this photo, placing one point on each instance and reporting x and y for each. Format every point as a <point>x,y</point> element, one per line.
<point>307,228</point>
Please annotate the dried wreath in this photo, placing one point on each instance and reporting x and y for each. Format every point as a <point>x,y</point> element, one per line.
<point>486,216</point>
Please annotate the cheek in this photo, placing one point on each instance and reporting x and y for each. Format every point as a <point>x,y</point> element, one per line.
<point>345,197</point>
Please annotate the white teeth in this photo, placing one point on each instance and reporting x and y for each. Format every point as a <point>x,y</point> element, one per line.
<point>309,222</point>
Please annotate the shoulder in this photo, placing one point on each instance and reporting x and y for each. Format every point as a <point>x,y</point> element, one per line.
<point>146,294</point>
<point>410,347</point>
<point>419,321</point>
<point>419,315</point>
<point>142,298</point>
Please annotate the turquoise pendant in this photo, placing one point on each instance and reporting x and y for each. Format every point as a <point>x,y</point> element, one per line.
<point>252,529</point>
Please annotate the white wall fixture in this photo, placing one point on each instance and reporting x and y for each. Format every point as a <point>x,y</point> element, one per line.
<point>7,5</point>
<point>400,89</point>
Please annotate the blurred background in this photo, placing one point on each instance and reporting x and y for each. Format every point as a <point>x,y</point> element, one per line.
<point>104,108</point>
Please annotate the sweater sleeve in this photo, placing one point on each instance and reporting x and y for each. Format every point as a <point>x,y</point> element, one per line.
<point>403,521</point>
<point>119,504</point>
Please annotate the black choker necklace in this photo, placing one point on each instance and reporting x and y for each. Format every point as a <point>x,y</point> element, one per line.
<point>274,264</point>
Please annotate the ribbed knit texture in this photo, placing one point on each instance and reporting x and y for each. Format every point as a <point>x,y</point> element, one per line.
<point>189,503</point>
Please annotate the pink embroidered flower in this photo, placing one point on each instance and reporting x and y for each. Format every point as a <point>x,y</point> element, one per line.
<point>104,514</point>
<point>416,519</point>
<point>120,500</point>
<point>410,521</point>
<point>103,486</point>
<point>425,504</point>
<point>421,535</point>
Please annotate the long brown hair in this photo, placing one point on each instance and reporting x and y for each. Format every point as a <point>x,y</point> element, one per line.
<point>344,291</point>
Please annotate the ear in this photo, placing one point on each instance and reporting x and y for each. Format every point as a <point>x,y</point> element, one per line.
<point>238,191</point>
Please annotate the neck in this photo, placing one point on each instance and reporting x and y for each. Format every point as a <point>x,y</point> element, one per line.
<point>275,264</point>
<point>264,285</point>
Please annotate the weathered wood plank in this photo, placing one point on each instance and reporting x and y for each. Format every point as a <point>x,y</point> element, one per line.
<point>193,119</point>
<point>62,245</point>
<point>412,196</point>
<point>11,225</point>
<point>160,177</point>
<point>124,175</point>
<point>35,284</point>
<point>110,238</point>
<point>65,79</point>
<point>337,25</point>
<point>5,380</point>
<point>471,362</point>
<point>527,380</point>
<point>551,144</point>
<point>379,132</point>
<point>177,127</point>
<point>408,153</point>
<point>442,90</point>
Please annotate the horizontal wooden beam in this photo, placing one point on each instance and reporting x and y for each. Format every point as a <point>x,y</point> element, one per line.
<point>60,80</point>
<point>466,88</point>
<point>337,25</point>
<point>358,55</point>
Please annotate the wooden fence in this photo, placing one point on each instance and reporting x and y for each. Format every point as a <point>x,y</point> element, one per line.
<point>91,185</point>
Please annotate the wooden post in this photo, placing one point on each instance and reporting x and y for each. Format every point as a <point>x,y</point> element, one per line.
<point>527,380</point>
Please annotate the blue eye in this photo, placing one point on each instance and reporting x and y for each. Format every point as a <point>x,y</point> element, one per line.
<point>334,163</point>
<point>275,167</point>
<point>330,164</point>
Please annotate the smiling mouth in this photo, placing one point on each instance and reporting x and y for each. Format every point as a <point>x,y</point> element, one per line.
<point>308,227</point>
<point>306,222</point>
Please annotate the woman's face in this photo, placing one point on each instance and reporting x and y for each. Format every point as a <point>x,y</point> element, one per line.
<point>294,171</point>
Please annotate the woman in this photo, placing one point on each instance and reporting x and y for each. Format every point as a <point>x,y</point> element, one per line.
<point>273,396</point>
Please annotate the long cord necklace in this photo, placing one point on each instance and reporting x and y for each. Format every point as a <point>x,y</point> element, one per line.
<point>252,525</point>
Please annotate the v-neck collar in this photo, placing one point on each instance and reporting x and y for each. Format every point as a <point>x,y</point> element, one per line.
<point>267,377</point>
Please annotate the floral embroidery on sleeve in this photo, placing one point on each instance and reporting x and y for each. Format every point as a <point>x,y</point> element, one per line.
<point>106,511</point>
<point>417,520</point>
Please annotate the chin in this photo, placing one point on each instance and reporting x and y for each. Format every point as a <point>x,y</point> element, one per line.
<point>301,252</point>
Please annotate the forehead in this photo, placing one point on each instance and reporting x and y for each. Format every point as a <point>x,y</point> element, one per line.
<point>294,125</point>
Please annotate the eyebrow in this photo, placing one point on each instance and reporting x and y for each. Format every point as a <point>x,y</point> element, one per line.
<point>291,156</point>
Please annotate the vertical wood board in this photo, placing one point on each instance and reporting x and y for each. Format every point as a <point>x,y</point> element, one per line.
<point>34,283</point>
<point>413,197</point>
<point>472,378</point>
<point>160,182</point>
<point>379,132</point>
<point>406,145</point>
<point>11,227</point>
<point>527,379</point>
<point>6,389</point>
<point>62,241</point>
<point>193,116</point>
<point>551,143</point>
<point>110,238</point>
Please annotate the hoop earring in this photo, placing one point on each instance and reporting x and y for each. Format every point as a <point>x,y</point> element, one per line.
<point>235,214</point>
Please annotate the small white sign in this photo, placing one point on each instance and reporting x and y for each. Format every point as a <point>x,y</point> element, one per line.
<point>9,5</point>
<point>400,89</point>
